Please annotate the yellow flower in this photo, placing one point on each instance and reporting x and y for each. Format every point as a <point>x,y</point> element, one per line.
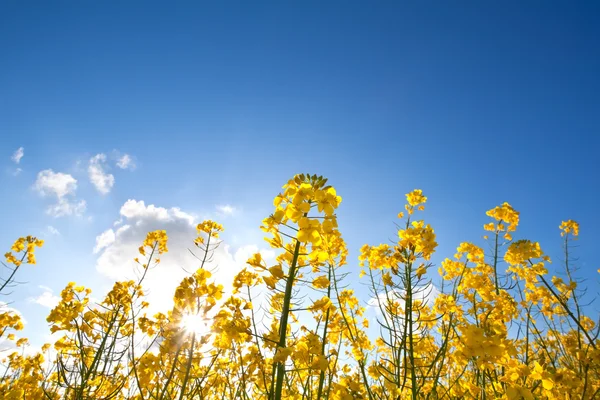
<point>521,251</point>
<point>282,354</point>
<point>569,226</point>
<point>210,228</point>
<point>416,197</point>
<point>256,261</point>
<point>421,271</point>
<point>321,282</point>
<point>322,304</point>
<point>387,279</point>
<point>504,213</point>
<point>277,271</point>
<point>320,363</point>
<point>539,373</point>
<point>518,393</point>
<point>271,281</point>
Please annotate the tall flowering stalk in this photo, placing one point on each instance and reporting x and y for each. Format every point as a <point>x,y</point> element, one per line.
<point>304,226</point>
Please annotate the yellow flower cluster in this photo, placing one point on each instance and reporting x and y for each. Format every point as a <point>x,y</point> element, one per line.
<point>504,214</point>
<point>209,228</point>
<point>415,198</point>
<point>158,238</point>
<point>9,320</point>
<point>25,245</point>
<point>419,238</point>
<point>569,226</point>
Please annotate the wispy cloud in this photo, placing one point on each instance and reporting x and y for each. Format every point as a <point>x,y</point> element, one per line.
<point>102,180</point>
<point>46,299</point>
<point>65,207</point>
<point>18,154</point>
<point>62,186</point>
<point>226,209</point>
<point>126,162</point>
<point>52,230</point>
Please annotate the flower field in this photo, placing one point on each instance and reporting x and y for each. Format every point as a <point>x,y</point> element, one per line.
<point>496,325</point>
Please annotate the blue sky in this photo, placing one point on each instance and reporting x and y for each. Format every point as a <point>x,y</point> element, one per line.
<point>219,103</point>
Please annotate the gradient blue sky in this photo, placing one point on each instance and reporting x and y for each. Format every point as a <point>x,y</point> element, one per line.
<point>219,103</point>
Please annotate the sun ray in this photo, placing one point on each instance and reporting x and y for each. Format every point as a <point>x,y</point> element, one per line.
<point>195,323</point>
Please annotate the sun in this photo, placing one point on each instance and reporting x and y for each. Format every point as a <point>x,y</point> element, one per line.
<point>195,323</point>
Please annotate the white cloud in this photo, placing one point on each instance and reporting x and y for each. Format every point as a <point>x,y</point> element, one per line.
<point>138,211</point>
<point>47,299</point>
<point>52,230</point>
<point>103,240</point>
<point>123,229</point>
<point>116,259</point>
<point>50,183</point>
<point>126,162</point>
<point>17,155</point>
<point>226,209</point>
<point>59,185</point>
<point>16,158</point>
<point>102,180</point>
<point>64,207</point>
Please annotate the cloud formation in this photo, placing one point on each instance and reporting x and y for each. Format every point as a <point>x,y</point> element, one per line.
<point>126,162</point>
<point>102,180</point>
<point>103,240</point>
<point>52,230</point>
<point>50,183</point>
<point>61,186</point>
<point>46,299</point>
<point>226,209</point>
<point>116,259</point>
<point>17,155</point>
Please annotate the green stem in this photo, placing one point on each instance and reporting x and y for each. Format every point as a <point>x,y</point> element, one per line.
<point>568,310</point>
<point>6,282</point>
<point>188,367</point>
<point>322,374</point>
<point>284,320</point>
